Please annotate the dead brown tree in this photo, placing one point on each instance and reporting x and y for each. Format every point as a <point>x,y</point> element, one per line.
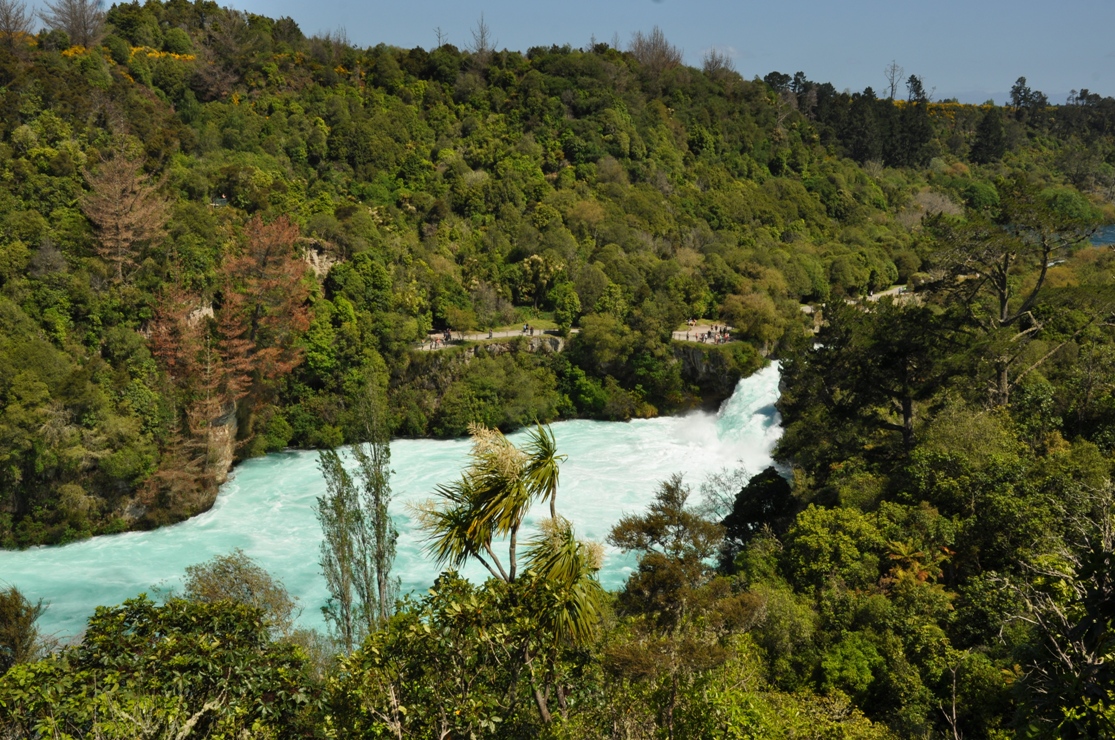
<point>126,209</point>
<point>717,64</point>
<point>482,44</point>
<point>654,52</point>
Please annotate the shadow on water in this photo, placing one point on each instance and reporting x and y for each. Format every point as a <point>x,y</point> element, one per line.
<point>770,411</point>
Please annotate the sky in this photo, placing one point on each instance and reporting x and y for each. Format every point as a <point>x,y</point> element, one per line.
<point>969,49</point>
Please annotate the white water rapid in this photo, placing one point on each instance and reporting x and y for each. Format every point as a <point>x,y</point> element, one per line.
<point>613,469</point>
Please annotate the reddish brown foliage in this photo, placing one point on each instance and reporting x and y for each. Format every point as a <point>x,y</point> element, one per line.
<point>125,208</point>
<point>264,308</point>
<point>218,361</point>
<point>177,334</point>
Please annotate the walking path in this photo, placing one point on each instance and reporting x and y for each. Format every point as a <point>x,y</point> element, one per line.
<point>437,341</point>
<point>699,332</point>
<point>894,290</point>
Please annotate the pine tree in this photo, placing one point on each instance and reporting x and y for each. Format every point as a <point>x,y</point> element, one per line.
<point>263,311</point>
<point>990,143</point>
<point>264,301</point>
<point>181,342</point>
<point>126,209</point>
<point>862,128</point>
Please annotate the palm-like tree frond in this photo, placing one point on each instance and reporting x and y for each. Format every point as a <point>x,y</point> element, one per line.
<point>542,471</point>
<point>500,500</point>
<point>556,555</point>
<point>565,570</point>
<point>451,528</point>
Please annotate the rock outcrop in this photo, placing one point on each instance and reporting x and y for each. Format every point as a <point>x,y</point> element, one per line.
<point>715,369</point>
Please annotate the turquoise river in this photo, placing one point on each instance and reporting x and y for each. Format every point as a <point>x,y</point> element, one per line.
<point>266,508</point>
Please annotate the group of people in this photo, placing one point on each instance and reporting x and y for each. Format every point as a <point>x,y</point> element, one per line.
<point>716,335</point>
<point>528,329</point>
<point>440,340</point>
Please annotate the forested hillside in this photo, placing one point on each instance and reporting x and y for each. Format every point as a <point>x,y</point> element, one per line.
<point>218,232</point>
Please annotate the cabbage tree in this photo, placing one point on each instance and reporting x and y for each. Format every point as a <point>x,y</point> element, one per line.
<point>554,580</point>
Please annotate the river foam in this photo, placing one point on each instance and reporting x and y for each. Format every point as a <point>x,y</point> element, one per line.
<point>266,509</point>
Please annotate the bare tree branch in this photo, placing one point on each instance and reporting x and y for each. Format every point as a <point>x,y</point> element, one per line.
<point>82,20</point>
<point>15,22</point>
<point>893,73</point>
<point>716,64</point>
<point>654,52</point>
<point>482,44</point>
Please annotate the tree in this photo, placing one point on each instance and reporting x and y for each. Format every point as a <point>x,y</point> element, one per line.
<point>990,143</point>
<point>338,512</point>
<point>126,209</point>
<point>858,387</point>
<point>460,320</point>
<point>1020,93</point>
<point>145,670</point>
<point>482,43</point>
<point>19,637</point>
<point>765,502</point>
<point>15,22</point>
<point>916,90</point>
<point>1029,105</point>
<point>197,383</point>
<point>236,577</point>
<point>680,612</point>
<point>82,20</point>
<point>654,52</point>
<point>778,81</point>
<point>904,363</point>
<point>263,291</point>
<point>438,669</point>
<point>828,546</point>
<point>567,305</point>
<point>176,334</point>
<point>1070,600</point>
<point>863,136</point>
<point>716,64</point>
<point>675,545</point>
<point>358,546</point>
<point>755,317</point>
<point>893,73</point>
<point>262,316</point>
<point>982,257</point>
<point>558,588</point>
<point>374,459</point>
<point>911,131</point>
